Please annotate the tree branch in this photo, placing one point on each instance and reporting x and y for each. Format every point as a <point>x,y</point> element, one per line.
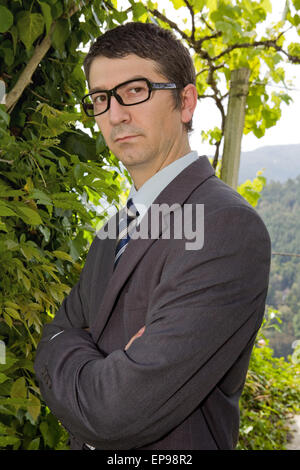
<point>200,41</point>
<point>268,43</point>
<point>170,23</point>
<point>206,96</point>
<point>39,53</point>
<point>193,19</point>
<point>202,18</point>
<point>25,78</point>
<point>207,69</point>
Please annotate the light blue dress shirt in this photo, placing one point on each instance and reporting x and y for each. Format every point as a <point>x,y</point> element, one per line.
<point>148,192</point>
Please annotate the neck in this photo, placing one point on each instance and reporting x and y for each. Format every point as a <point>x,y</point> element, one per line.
<point>144,171</point>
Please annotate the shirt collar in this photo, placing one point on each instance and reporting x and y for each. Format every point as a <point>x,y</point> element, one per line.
<point>148,192</point>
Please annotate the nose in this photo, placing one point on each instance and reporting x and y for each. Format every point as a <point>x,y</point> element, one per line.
<point>117,112</point>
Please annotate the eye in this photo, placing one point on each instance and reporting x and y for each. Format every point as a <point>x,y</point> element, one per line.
<point>136,89</point>
<point>98,99</point>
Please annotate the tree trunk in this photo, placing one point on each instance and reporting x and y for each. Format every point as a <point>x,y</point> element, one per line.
<point>234,126</point>
<point>25,77</point>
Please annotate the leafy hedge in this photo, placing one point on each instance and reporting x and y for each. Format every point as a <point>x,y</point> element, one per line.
<point>270,396</point>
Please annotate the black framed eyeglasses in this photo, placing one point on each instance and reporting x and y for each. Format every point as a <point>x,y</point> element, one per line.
<point>128,93</point>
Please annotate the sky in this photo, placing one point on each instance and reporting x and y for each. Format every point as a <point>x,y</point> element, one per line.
<point>207,115</point>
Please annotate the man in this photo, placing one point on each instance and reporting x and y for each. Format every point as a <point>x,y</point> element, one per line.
<point>150,349</point>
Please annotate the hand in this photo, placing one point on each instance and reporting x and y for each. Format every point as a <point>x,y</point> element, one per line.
<point>137,335</point>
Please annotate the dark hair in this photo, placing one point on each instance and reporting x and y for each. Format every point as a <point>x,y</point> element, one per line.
<point>148,41</point>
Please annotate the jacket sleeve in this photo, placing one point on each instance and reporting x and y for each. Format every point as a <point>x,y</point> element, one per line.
<point>204,312</point>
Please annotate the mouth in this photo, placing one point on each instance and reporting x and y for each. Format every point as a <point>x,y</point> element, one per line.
<point>125,138</point>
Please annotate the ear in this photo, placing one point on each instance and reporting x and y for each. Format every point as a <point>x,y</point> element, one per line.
<point>188,102</point>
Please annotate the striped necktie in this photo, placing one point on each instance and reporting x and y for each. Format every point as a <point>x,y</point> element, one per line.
<point>126,226</point>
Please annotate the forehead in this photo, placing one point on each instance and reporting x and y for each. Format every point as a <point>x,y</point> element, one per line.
<point>107,72</point>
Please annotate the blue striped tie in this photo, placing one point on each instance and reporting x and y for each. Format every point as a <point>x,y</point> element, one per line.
<point>127,224</point>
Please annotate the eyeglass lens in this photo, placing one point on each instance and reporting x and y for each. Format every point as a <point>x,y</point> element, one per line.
<point>130,93</point>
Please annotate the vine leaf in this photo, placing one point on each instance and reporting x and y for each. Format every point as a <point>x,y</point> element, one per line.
<point>30,27</point>
<point>6,19</point>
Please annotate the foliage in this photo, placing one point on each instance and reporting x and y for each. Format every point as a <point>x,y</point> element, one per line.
<point>226,35</point>
<point>280,209</point>
<point>251,190</point>
<point>270,396</point>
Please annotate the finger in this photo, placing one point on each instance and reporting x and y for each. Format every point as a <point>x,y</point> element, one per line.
<point>141,331</point>
<point>137,335</point>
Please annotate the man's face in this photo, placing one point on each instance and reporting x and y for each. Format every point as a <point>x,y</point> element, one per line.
<point>148,134</point>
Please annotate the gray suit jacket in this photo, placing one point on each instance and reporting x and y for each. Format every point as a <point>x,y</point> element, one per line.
<point>178,385</point>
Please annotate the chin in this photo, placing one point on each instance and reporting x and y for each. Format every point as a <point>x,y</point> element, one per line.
<point>131,159</point>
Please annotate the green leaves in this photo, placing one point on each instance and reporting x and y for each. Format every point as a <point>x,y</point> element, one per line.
<point>46,10</point>
<point>4,117</point>
<point>5,210</point>
<point>30,27</point>
<point>270,396</point>
<point>263,109</point>
<point>294,49</point>
<point>18,389</point>
<point>229,27</point>
<point>227,19</point>
<point>34,409</point>
<point>178,4</point>
<point>296,4</point>
<point>6,19</point>
<point>212,5</point>
<point>251,190</point>
<point>52,432</point>
<point>8,440</point>
<point>51,122</point>
<point>138,10</point>
<point>266,5</point>
<point>81,144</point>
<point>60,34</point>
<point>28,215</point>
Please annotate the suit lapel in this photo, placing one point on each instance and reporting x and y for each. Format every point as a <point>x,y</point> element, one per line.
<point>176,192</point>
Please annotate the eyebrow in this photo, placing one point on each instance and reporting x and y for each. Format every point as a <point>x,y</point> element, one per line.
<point>99,88</point>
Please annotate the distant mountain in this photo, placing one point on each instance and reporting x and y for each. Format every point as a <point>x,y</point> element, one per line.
<point>281,162</point>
